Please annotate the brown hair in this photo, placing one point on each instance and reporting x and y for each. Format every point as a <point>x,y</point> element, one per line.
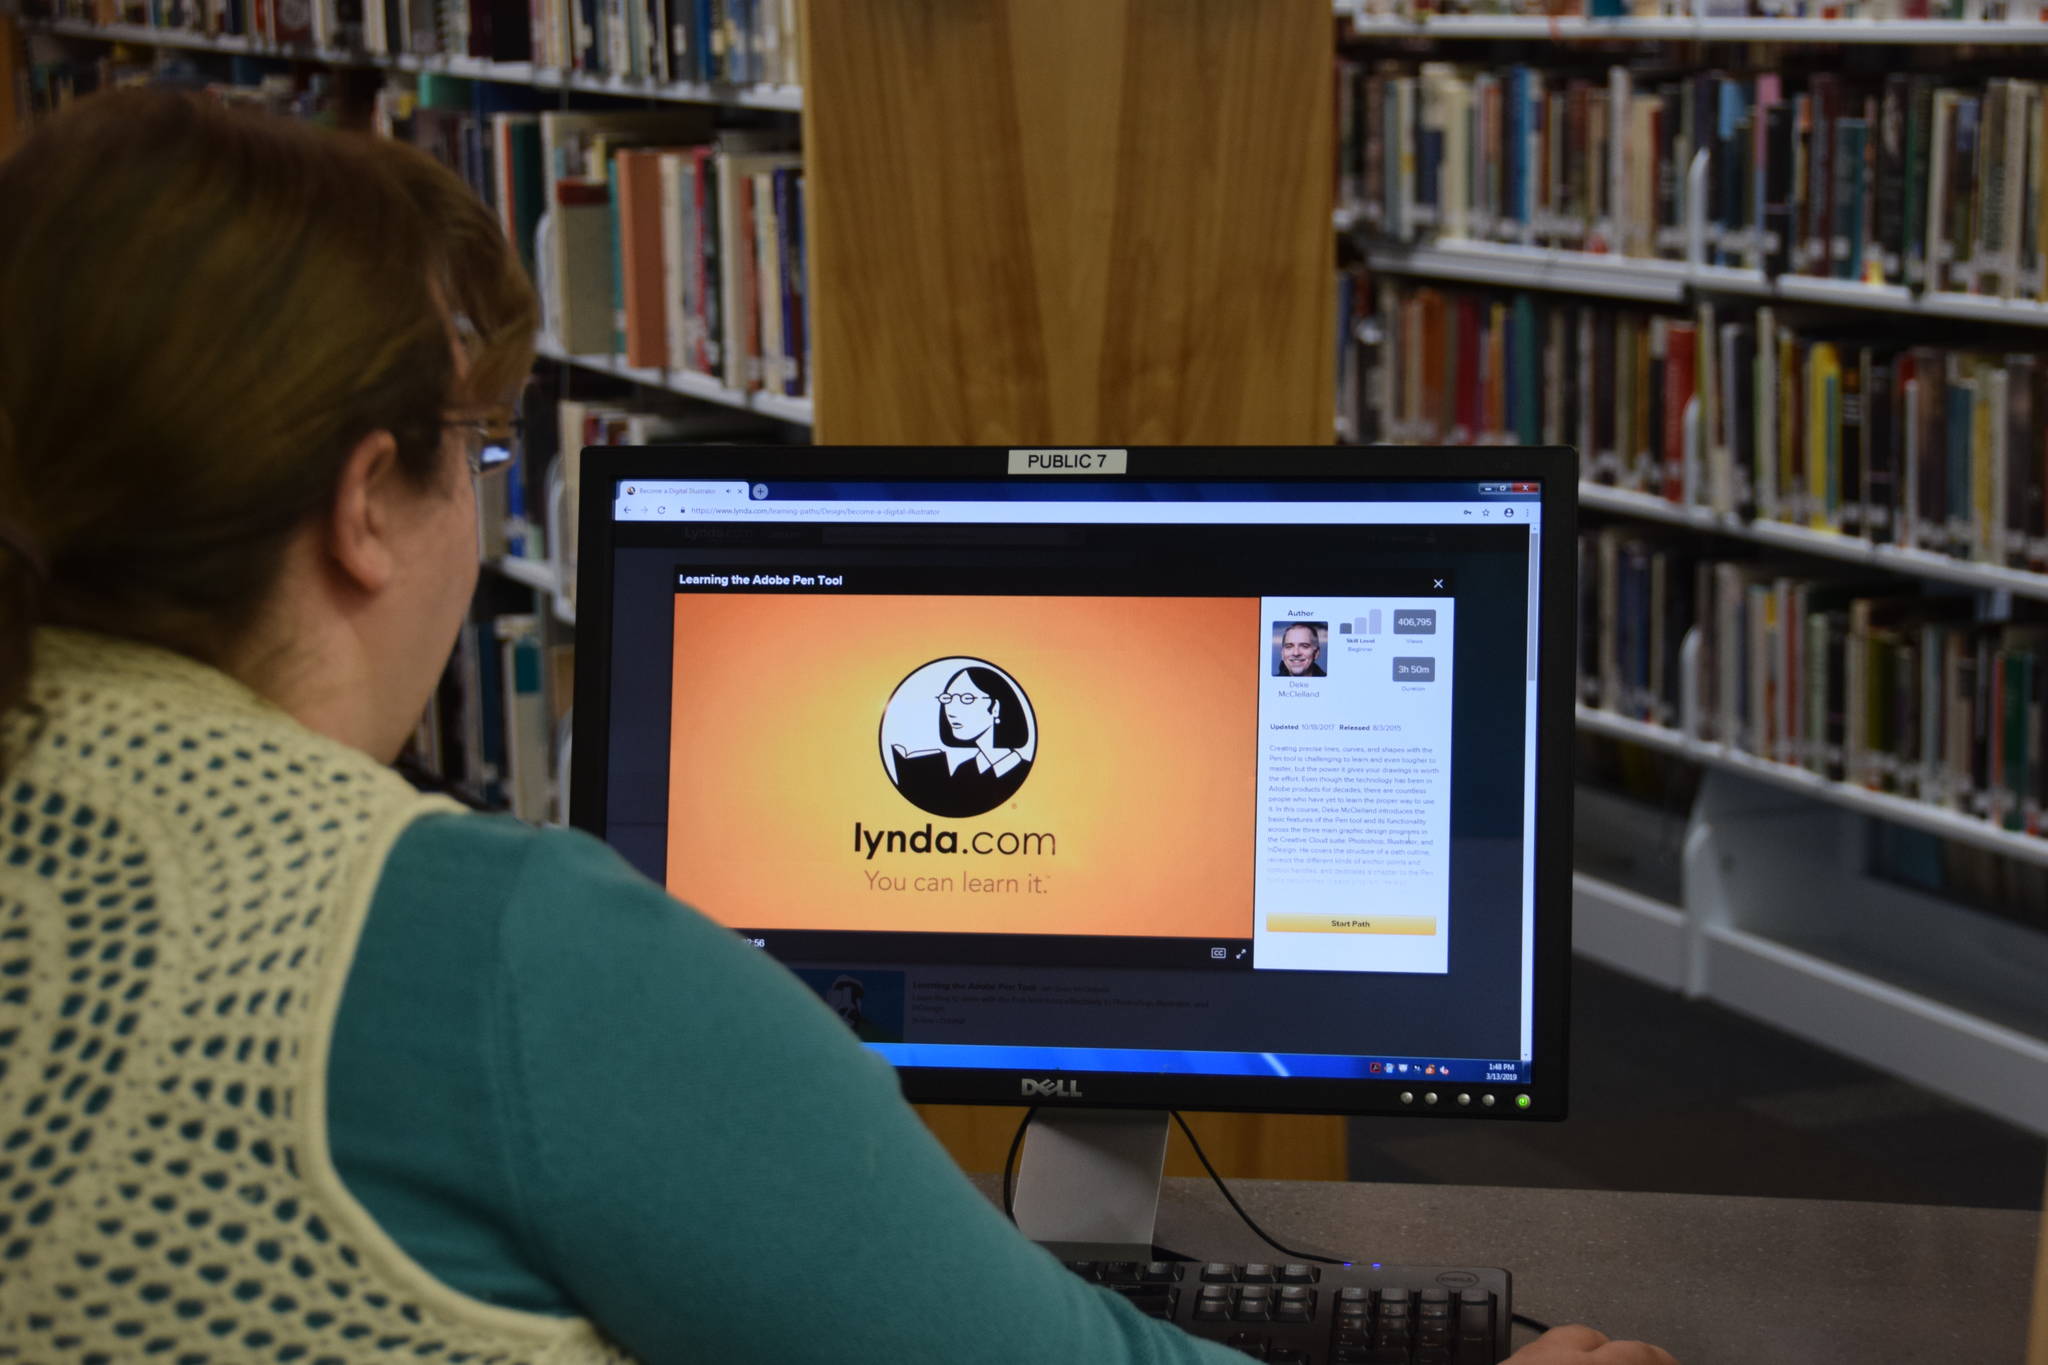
<point>202,312</point>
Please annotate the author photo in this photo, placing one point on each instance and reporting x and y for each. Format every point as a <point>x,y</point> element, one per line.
<point>1298,648</point>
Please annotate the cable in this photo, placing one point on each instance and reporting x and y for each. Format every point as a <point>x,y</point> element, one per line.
<point>1523,1319</point>
<point>1203,1157</point>
<point>1009,1166</point>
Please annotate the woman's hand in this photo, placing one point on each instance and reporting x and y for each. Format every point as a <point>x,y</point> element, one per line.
<point>1575,1345</point>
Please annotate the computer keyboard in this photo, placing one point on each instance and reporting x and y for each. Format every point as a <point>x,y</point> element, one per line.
<point>1323,1315</point>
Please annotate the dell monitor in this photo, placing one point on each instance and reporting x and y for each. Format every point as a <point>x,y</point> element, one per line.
<point>1114,781</point>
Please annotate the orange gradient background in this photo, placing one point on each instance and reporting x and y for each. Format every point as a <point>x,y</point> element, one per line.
<point>1147,711</point>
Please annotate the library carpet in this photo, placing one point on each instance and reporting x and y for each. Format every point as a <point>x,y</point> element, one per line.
<point>1685,1096</point>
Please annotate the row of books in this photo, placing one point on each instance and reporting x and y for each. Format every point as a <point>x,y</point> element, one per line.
<point>740,42</point>
<point>1851,680</point>
<point>59,73</point>
<point>1926,447</point>
<point>675,247</point>
<point>737,42</point>
<point>652,235</point>
<point>1987,11</point>
<point>1906,180</point>
<point>492,729</point>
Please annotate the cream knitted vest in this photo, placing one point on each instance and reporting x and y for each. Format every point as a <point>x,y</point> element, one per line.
<point>184,870</point>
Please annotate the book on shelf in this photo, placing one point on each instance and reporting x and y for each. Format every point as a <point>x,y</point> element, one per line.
<point>1859,433</point>
<point>489,731</point>
<point>677,248</point>
<point>1868,683</point>
<point>1916,179</point>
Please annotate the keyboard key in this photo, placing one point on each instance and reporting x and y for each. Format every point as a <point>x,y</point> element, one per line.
<point>1212,1310</point>
<point>1286,1355</point>
<point>1252,1344</point>
<point>1217,1291</point>
<point>1434,1355</point>
<point>1254,1310</point>
<point>1475,1328</point>
<point>1161,1271</point>
<point>1430,1296</point>
<point>1219,1272</point>
<point>1292,1311</point>
<point>1120,1272</point>
<point>1354,1293</point>
<point>1257,1273</point>
<point>1297,1273</point>
<point>1256,1291</point>
<point>1297,1291</point>
<point>1085,1269</point>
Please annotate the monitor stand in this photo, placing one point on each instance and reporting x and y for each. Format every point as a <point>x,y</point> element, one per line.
<point>1088,1183</point>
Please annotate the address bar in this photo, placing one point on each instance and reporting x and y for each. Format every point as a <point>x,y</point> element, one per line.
<point>1088,513</point>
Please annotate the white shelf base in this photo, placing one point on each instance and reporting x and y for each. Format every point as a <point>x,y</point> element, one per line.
<point>1997,1069</point>
<point>1973,1060</point>
<point>1629,932</point>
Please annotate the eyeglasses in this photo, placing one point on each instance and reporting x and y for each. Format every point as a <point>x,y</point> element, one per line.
<point>964,698</point>
<point>489,444</point>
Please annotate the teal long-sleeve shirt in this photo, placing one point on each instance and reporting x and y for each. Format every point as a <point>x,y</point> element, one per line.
<point>560,1090</point>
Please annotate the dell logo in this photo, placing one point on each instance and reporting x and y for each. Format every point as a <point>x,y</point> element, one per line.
<point>1062,1090</point>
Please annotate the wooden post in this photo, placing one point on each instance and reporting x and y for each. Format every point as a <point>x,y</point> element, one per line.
<point>1071,221</point>
<point>1076,222</point>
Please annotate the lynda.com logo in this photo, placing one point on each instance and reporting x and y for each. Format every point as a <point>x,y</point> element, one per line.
<point>958,737</point>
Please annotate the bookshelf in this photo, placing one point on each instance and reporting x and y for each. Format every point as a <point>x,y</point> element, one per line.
<point>788,98</point>
<point>1776,907</point>
<point>1687,29</point>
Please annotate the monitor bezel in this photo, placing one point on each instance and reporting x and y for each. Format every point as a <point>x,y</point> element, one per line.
<point>1555,467</point>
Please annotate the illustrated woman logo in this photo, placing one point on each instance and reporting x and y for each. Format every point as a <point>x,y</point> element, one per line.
<point>985,731</point>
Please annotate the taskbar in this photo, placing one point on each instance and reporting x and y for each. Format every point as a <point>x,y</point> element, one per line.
<point>1171,1062</point>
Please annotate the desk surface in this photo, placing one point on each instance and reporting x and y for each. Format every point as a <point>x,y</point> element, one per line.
<point>1714,1280</point>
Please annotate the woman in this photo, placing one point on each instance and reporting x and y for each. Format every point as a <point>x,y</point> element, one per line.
<point>298,1064</point>
<point>981,713</point>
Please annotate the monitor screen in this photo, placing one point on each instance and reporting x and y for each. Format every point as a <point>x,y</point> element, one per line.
<point>1210,783</point>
